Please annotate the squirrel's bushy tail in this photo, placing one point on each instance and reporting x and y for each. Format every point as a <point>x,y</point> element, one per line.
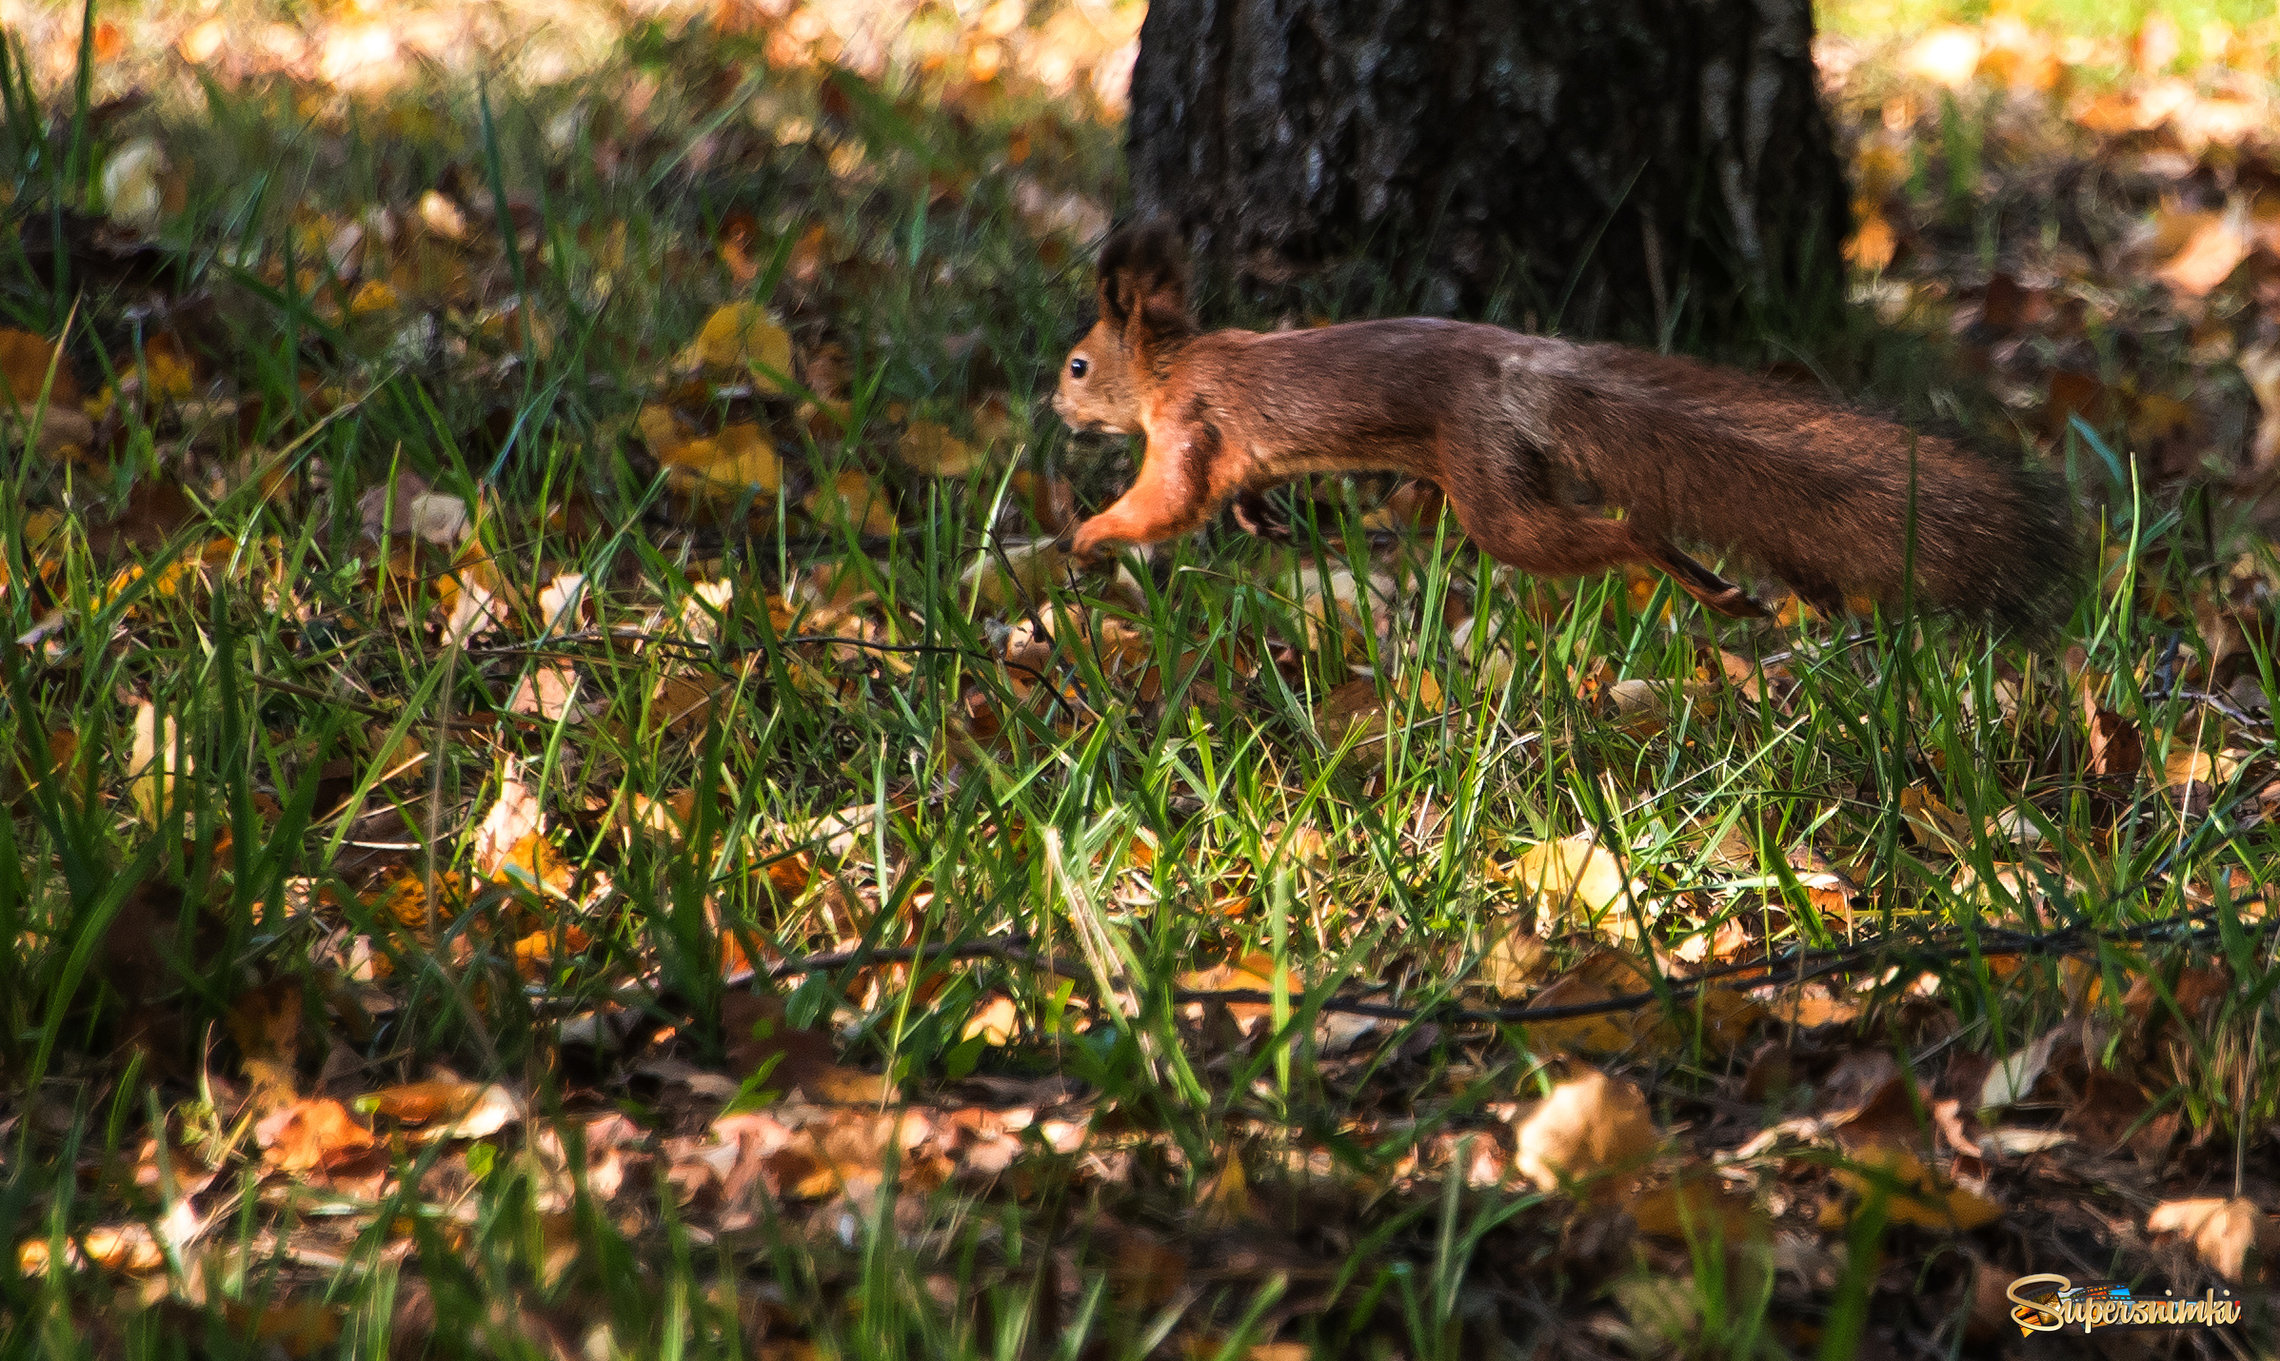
<point>1833,501</point>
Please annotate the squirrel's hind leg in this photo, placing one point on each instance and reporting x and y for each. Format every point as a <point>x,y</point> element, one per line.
<point>1558,542</point>
<point>1714,591</point>
<point>1256,515</point>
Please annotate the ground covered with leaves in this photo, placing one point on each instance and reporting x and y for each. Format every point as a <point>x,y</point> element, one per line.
<point>563,803</point>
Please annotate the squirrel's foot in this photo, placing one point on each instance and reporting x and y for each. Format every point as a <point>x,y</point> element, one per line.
<point>1733,602</point>
<point>1714,591</point>
<point>1256,515</point>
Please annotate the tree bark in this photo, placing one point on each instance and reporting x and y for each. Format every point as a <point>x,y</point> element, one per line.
<point>1656,169</point>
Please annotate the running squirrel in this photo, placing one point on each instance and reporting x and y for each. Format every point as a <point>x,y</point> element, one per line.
<point>1559,458</point>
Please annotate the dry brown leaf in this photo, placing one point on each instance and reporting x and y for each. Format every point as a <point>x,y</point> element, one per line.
<point>2115,746</point>
<point>266,1023</point>
<point>26,361</point>
<point>1590,1125</point>
<point>857,499</point>
<point>513,816</point>
<point>928,447</point>
<point>156,764</point>
<point>1933,824</point>
<point>446,1108</point>
<point>550,691</point>
<point>2260,365</point>
<point>2219,241</point>
<point>2222,1230</point>
<point>756,1033</point>
<point>293,1328</point>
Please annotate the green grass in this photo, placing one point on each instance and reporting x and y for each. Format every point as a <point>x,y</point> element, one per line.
<point>1903,20</point>
<point>292,681</point>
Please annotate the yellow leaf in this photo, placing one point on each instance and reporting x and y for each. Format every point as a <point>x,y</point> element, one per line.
<point>741,336</point>
<point>739,459</point>
<point>1915,1194</point>
<point>373,295</point>
<point>1699,1205</point>
<point>996,1021</point>
<point>131,194</point>
<point>1575,878</point>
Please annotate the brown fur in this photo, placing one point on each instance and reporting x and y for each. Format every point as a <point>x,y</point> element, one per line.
<point>1559,458</point>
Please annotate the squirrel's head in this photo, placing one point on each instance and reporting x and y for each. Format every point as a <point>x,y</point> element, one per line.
<point>1143,310</point>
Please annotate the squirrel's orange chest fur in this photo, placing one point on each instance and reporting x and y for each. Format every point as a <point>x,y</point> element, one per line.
<point>1533,440</point>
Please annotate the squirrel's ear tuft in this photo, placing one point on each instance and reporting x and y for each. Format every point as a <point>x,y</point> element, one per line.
<point>1144,273</point>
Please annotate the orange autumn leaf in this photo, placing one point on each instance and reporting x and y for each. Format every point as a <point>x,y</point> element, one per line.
<point>310,1133</point>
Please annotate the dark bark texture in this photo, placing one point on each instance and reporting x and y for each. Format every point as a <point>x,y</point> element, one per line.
<point>1637,168</point>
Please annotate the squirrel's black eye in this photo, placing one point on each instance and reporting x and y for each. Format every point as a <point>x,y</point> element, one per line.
<point>1078,367</point>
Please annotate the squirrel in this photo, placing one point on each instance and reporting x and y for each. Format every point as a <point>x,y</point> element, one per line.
<point>1558,457</point>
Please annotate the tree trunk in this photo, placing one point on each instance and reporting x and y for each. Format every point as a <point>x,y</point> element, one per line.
<point>1657,169</point>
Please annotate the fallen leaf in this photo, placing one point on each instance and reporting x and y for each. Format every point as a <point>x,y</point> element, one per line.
<point>1932,823</point>
<point>2115,746</point>
<point>996,1021</point>
<point>445,1108</point>
<point>857,499</point>
<point>2015,1074</point>
<point>2223,1231</point>
<point>756,1035</point>
<point>1914,1193</point>
<point>513,816</point>
<point>26,363</point>
<point>1698,1205</point>
<point>132,197</point>
<point>741,335</point>
<point>1590,1125</point>
<point>315,1132</point>
<point>1948,55</point>
<point>294,1328</point>
<point>2260,366</point>
<point>1575,879</point>
<point>156,764</point>
<point>736,462</point>
<point>266,1023</point>
<point>2215,249</point>
<point>928,447</point>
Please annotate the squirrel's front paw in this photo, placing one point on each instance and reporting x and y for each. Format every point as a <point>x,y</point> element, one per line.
<point>1087,546</point>
<point>1255,515</point>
